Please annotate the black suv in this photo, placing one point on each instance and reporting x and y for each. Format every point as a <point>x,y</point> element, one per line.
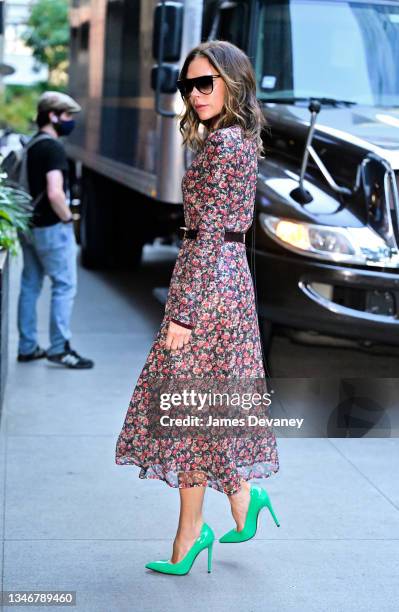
<point>327,232</point>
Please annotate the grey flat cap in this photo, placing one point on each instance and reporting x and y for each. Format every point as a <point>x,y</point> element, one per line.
<point>57,101</point>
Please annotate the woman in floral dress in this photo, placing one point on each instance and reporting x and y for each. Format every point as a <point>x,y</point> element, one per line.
<point>210,326</point>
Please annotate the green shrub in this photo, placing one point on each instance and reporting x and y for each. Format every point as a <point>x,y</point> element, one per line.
<point>15,212</point>
<point>18,106</point>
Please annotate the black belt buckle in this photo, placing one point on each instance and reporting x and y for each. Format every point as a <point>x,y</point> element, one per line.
<point>184,228</point>
<point>188,232</point>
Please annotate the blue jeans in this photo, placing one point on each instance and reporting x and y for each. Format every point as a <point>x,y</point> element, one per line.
<point>51,251</point>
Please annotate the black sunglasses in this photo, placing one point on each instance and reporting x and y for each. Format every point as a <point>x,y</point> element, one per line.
<point>204,84</point>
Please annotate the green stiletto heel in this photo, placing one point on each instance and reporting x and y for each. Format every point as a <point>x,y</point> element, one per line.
<point>204,540</point>
<point>259,499</point>
<point>210,557</point>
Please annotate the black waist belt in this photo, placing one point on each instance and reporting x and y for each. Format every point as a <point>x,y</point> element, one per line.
<point>228,236</point>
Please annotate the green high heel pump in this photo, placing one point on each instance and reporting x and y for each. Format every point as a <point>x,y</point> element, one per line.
<point>204,540</point>
<point>259,499</point>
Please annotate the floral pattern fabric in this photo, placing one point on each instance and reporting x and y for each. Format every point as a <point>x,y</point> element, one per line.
<point>211,292</point>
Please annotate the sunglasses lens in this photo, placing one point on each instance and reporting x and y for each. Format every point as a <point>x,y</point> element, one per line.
<point>204,84</point>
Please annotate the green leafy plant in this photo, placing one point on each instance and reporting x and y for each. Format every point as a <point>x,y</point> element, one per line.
<point>47,35</point>
<point>18,105</point>
<point>17,111</point>
<point>15,212</point>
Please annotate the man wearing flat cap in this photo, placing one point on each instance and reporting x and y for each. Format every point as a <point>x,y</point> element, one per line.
<point>51,250</point>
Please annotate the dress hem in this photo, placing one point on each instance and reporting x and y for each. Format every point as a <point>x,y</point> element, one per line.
<point>245,472</point>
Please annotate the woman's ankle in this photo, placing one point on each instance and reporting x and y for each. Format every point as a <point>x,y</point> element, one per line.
<point>245,485</point>
<point>244,488</point>
<point>190,525</point>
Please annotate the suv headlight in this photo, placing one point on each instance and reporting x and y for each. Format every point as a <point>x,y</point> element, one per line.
<point>359,245</point>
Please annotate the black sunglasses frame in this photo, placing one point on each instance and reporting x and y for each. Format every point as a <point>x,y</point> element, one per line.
<point>186,86</point>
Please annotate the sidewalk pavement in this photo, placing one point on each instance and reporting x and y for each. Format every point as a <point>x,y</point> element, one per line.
<point>73,520</point>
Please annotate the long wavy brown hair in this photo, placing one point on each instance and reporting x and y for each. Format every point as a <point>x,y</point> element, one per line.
<point>240,105</point>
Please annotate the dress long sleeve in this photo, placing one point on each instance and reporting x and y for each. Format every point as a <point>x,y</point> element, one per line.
<point>218,167</point>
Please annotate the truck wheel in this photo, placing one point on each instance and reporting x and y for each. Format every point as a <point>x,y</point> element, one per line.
<point>112,230</point>
<point>127,243</point>
<point>95,232</point>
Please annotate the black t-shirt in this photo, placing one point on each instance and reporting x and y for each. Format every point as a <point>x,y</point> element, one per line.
<point>46,155</point>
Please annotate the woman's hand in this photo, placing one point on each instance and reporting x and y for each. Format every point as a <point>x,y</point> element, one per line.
<point>177,336</point>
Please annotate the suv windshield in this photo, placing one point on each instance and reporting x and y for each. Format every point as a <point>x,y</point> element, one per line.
<point>336,50</point>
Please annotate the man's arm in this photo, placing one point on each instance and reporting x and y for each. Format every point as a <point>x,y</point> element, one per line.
<point>56,195</point>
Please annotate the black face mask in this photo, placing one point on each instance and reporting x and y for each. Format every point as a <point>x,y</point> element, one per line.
<point>64,126</point>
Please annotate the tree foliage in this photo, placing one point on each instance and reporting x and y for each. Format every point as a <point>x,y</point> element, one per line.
<point>47,35</point>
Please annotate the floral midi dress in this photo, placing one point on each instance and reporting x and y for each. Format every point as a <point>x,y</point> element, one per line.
<point>211,292</point>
